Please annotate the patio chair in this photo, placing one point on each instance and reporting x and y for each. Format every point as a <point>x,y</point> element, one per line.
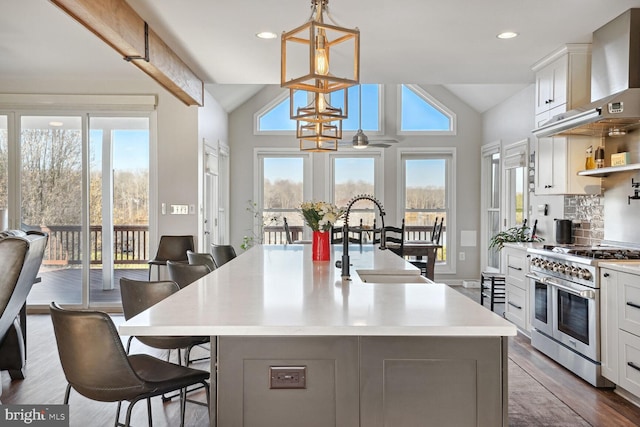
<point>96,365</point>
<point>173,248</point>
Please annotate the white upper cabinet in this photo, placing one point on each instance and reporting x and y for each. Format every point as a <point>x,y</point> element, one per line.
<point>551,85</point>
<point>563,81</point>
<point>558,160</point>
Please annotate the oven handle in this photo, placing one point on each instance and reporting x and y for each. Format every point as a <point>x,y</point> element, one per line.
<point>588,294</point>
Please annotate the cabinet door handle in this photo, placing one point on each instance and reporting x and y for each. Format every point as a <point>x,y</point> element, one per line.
<point>630,304</point>
<point>516,268</point>
<point>634,366</point>
<point>606,274</point>
<point>519,307</point>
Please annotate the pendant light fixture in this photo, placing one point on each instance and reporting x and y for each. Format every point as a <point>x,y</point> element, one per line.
<point>306,54</point>
<point>305,65</point>
<point>360,140</point>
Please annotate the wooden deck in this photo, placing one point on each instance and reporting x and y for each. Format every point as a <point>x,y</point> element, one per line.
<point>65,286</point>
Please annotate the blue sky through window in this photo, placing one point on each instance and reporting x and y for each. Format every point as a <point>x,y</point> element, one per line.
<point>130,148</point>
<point>425,172</point>
<point>283,168</point>
<point>278,117</point>
<point>419,115</point>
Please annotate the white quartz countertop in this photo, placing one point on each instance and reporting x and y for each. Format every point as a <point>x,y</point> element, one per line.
<point>632,267</point>
<point>279,291</point>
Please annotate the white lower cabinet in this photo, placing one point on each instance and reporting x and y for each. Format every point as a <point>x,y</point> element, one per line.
<point>629,362</point>
<point>620,327</point>
<point>515,262</point>
<point>515,309</point>
<point>609,324</point>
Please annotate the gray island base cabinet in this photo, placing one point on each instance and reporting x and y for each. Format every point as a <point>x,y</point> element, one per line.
<point>295,345</point>
<point>363,381</point>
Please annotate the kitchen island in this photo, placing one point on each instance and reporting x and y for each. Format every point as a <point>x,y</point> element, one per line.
<point>296,345</point>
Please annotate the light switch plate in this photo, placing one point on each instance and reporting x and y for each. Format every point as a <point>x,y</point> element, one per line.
<point>179,210</point>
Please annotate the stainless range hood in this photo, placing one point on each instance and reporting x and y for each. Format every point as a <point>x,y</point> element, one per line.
<point>615,84</point>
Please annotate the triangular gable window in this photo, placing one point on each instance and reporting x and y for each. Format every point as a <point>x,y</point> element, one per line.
<point>421,113</point>
<point>274,118</point>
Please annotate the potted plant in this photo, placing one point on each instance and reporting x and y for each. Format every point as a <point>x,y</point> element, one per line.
<point>519,233</point>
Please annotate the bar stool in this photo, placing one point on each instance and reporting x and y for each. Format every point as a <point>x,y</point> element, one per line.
<point>494,289</point>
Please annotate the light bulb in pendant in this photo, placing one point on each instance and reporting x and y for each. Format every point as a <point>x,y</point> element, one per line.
<point>322,102</point>
<point>322,59</point>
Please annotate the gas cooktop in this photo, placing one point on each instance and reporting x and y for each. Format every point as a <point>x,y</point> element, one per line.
<point>596,252</point>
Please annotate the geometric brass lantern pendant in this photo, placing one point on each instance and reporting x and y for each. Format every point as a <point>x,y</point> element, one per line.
<point>320,57</point>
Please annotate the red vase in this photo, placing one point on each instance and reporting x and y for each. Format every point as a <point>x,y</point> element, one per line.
<point>320,246</point>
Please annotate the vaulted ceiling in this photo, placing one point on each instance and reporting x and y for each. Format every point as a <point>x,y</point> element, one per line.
<point>451,42</point>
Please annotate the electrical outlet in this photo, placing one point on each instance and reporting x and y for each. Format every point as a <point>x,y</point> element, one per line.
<point>287,377</point>
<point>461,256</point>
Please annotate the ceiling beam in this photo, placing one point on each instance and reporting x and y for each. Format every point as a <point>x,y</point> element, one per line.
<point>118,25</point>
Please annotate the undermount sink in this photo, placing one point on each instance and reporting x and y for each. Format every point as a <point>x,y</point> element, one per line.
<point>393,278</point>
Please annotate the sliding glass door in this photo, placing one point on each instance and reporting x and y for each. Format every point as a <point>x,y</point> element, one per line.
<point>85,181</point>
<point>118,204</point>
<point>51,201</point>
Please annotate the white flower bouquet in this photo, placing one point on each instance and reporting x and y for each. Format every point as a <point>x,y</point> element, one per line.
<point>320,215</point>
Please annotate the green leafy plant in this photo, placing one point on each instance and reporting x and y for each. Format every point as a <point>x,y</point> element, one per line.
<point>258,219</point>
<point>520,233</point>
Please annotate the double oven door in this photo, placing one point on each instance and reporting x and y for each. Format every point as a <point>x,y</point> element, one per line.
<point>566,312</point>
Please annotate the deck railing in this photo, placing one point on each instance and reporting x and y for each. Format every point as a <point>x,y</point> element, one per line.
<point>130,244</point>
<point>275,235</point>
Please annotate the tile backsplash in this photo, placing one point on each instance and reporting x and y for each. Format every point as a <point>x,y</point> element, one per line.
<point>587,214</point>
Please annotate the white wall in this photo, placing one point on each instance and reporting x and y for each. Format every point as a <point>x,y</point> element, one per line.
<point>467,142</point>
<point>179,130</point>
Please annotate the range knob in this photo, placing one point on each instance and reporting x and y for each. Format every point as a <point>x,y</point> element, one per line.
<point>562,268</point>
<point>586,274</point>
<point>574,271</point>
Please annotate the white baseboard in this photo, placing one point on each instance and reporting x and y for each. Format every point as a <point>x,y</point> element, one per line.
<point>470,284</point>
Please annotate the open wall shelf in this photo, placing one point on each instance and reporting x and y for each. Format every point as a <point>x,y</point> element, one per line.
<point>602,172</point>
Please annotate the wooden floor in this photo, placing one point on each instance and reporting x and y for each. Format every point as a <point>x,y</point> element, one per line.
<point>596,407</point>
<point>541,392</point>
<point>64,286</point>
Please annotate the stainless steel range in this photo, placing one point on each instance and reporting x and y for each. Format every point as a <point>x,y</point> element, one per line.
<point>565,305</point>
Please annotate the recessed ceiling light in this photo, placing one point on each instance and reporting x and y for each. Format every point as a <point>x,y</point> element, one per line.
<point>55,124</point>
<point>507,35</point>
<point>266,35</point>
